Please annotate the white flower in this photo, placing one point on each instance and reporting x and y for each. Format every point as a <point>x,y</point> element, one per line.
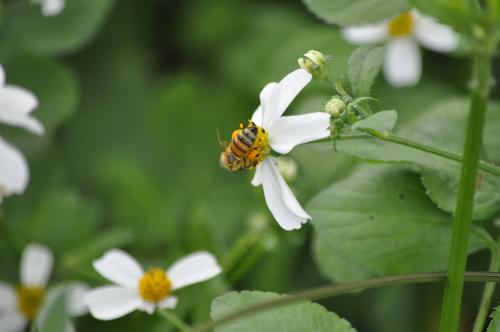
<point>403,63</point>
<point>22,305</point>
<point>50,7</point>
<point>146,291</point>
<point>16,104</point>
<point>283,134</point>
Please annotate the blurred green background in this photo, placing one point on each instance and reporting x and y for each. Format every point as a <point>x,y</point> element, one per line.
<point>132,94</point>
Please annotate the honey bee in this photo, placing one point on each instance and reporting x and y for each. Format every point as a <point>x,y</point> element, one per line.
<point>247,148</point>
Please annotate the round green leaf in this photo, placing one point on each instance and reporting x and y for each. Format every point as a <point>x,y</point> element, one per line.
<point>350,12</point>
<point>300,317</point>
<point>24,27</point>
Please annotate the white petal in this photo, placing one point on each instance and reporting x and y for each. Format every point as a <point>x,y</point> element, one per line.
<point>282,95</point>
<point>435,36</point>
<point>257,116</point>
<point>119,267</point>
<point>8,298</point>
<point>402,62</point>
<point>36,265</point>
<point>2,76</point>
<point>257,178</point>
<point>263,114</point>
<point>148,307</point>
<point>193,268</point>
<point>52,7</point>
<point>280,199</point>
<point>289,131</point>
<point>75,292</point>
<point>16,104</point>
<point>366,34</point>
<point>14,173</point>
<point>168,303</point>
<point>12,322</point>
<point>110,302</point>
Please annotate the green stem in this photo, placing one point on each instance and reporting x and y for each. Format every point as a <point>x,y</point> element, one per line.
<point>489,288</point>
<point>334,290</point>
<point>173,319</point>
<point>393,138</point>
<point>450,314</point>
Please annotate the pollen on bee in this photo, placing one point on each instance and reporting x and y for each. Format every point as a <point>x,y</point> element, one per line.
<point>155,285</point>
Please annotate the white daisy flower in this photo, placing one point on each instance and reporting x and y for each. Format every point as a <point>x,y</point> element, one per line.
<point>20,305</point>
<point>16,104</point>
<point>50,7</point>
<point>136,289</point>
<point>270,131</point>
<point>403,63</point>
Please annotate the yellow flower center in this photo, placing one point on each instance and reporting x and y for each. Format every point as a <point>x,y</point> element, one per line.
<point>259,150</point>
<point>402,25</point>
<point>155,285</point>
<point>29,300</point>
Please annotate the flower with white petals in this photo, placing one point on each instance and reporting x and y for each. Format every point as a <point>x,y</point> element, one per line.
<point>50,7</point>
<point>137,289</point>
<point>16,104</point>
<point>403,63</point>
<point>22,304</point>
<point>270,131</point>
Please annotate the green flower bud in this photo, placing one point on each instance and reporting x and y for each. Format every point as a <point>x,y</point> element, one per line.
<point>335,107</point>
<point>314,62</point>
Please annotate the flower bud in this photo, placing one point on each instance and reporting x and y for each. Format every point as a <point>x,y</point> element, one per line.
<point>314,62</point>
<point>335,107</point>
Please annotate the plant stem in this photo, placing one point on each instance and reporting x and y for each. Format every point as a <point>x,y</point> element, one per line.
<point>173,319</point>
<point>489,288</point>
<point>334,290</point>
<point>450,314</point>
<point>393,138</point>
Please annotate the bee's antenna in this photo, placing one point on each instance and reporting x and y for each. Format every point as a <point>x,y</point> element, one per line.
<point>221,143</point>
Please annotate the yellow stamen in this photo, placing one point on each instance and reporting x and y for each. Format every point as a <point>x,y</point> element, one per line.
<point>260,149</point>
<point>29,300</point>
<point>402,25</point>
<point>155,285</point>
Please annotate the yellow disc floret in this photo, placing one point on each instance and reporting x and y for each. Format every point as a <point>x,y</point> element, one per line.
<point>402,25</point>
<point>259,150</point>
<point>29,300</point>
<point>155,285</point>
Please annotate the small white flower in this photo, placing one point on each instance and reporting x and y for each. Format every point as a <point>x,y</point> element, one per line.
<point>16,104</point>
<point>136,289</point>
<point>283,134</point>
<point>403,63</point>
<point>20,305</point>
<point>50,7</point>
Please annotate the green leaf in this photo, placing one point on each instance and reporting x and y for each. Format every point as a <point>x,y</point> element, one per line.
<point>63,219</point>
<point>364,65</point>
<point>350,12</point>
<point>380,121</point>
<point>452,12</point>
<point>378,222</point>
<point>53,84</point>
<point>495,320</point>
<point>441,126</point>
<point>53,315</point>
<point>25,29</point>
<point>300,317</point>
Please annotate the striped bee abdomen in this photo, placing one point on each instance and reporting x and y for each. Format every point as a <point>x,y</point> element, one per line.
<point>247,148</point>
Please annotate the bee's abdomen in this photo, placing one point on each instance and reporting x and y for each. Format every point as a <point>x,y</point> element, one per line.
<point>242,142</point>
